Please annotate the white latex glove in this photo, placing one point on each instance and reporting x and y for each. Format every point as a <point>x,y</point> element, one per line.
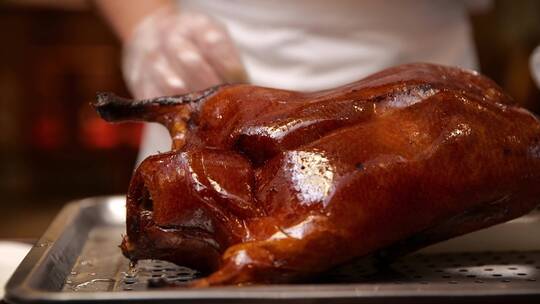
<point>173,52</point>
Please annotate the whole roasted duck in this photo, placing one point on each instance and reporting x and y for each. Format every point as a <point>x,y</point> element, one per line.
<point>265,185</point>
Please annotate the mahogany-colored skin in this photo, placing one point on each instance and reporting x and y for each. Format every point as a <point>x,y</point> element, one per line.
<point>269,186</point>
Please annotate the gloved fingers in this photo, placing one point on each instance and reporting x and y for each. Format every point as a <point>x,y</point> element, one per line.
<point>133,70</point>
<point>145,89</point>
<point>173,53</point>
<point>144,78</point>
<point>149,91</point>
<point>217,47</point>
<point>135,65</point>
<point>186,60</point>
<point>167,79</point>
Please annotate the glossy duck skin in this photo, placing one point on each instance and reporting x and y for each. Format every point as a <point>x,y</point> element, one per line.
<point>269,186</point>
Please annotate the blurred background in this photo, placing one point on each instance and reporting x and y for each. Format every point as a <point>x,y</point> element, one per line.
<point>57,54</point>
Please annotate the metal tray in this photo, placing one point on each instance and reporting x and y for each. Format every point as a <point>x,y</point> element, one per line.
<point>78,260</point>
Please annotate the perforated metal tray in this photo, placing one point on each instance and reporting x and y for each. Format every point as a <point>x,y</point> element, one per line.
<point>78,260</point>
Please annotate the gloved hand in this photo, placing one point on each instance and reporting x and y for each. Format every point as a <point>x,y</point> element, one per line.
<point>172,52</point>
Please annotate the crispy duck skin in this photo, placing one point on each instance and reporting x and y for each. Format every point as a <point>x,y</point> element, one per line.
<point>267,186</point>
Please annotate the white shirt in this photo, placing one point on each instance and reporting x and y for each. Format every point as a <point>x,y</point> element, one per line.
<point>318,44</point>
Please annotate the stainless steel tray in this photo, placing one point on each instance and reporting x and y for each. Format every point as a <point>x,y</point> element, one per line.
<point>78,260</point>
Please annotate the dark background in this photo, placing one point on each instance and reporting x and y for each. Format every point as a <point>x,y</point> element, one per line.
<point>56,54</point>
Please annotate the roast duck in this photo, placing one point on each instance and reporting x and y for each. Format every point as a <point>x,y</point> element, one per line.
<point>267,186</point>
